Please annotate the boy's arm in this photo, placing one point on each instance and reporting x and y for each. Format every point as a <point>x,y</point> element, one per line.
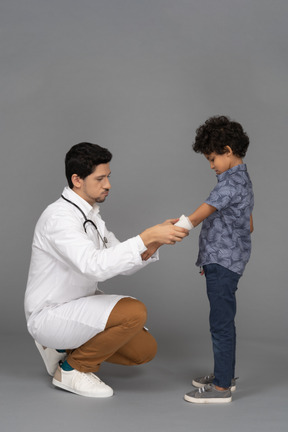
<point>197,216</point>
<point>201,213</point>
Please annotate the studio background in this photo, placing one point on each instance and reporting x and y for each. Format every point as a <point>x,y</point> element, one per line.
<point>139,77</point>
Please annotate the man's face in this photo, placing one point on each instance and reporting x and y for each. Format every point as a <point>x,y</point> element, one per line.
<point>95,187</point>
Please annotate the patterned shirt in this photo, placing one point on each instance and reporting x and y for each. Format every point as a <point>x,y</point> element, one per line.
<point>225,235</point>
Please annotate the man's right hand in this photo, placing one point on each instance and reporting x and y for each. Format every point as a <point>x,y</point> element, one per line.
<point>165,233</point>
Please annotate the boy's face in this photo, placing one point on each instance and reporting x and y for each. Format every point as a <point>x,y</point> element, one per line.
<point>219,162</point>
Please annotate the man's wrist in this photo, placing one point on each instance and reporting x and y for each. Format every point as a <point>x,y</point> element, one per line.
<point>140,244</point>
<point>148,236</point>
<point>145,237</point>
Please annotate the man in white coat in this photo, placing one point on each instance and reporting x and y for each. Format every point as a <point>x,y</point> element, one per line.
<point>76,326</point>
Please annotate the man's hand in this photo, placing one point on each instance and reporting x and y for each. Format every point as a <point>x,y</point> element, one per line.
<point>152,248</point>
<point>165,233</point>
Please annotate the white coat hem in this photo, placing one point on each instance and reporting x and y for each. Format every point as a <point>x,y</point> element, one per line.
<point>72,324</point>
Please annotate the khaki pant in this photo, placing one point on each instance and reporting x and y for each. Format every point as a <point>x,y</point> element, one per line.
<point>123,341</point>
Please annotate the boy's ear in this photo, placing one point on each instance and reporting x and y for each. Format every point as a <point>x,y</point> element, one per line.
<point>228,151</point>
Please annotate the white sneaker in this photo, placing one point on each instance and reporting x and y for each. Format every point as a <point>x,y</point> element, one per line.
<point>82,383</point>
<point>51,358</point>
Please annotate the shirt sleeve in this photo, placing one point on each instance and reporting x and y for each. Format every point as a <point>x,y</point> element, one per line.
<point>141,249</point>
<point>65,239</point>
<point>113,241</point>
<point>221,196</point>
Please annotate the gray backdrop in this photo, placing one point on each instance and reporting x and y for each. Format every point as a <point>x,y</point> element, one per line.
<point>138,77</point>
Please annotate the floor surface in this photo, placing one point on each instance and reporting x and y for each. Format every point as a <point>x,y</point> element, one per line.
<point>147,398</point>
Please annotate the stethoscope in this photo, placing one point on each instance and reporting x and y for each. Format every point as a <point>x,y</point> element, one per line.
<point>86,221</point>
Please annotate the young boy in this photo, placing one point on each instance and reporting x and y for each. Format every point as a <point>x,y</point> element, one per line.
<point>224,247</point>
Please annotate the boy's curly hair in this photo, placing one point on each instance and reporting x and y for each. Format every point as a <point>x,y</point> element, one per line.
<point>217,133</point>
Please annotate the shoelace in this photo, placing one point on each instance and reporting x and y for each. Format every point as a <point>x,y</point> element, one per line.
<point>89,376</point>
<point>208,377</point>
<point>204,389</point>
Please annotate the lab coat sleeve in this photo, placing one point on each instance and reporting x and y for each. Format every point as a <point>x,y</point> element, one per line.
<point>65,239</point>
<point>112,241</point>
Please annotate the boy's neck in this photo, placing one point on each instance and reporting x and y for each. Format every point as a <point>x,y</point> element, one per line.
<point>235,161</point>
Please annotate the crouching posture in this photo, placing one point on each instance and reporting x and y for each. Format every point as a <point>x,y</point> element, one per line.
<point>76,327</point>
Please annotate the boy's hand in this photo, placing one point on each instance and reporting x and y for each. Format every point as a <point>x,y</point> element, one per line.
<point>201,271</point>
<point>184,222</point>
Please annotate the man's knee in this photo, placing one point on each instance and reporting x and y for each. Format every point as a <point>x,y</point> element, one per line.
<point>129,312</point>
<point>144,348</point>
<point>151,349</point>
<point>135,312</point>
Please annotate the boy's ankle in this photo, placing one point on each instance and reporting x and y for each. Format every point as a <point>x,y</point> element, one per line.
<point>220,388</point>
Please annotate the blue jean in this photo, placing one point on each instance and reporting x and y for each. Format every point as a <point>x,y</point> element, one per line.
<point>221,288</point>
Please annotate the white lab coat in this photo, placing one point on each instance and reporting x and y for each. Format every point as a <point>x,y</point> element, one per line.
<point>63,305</point>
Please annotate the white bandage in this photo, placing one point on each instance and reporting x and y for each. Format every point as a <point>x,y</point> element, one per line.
<point>184,222</point>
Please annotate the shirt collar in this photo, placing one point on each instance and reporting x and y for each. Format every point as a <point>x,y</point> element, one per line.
<point>75,198</point>
<point>225,174</point>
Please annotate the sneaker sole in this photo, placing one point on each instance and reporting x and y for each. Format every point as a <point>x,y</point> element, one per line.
<point>207,401</point>
<point>69,389</point>
<point>199,385</point>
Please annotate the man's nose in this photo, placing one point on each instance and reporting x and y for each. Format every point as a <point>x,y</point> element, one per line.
<point>107,184</point>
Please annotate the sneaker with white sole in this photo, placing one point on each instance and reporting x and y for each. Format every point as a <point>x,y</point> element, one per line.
<point>51,358</point>
<point>208,379</point>
<point>209,394</point>
<point>82,383</point>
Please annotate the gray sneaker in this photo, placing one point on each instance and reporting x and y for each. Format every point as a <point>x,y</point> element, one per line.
<point>208,379</point>
<point>208,394</point>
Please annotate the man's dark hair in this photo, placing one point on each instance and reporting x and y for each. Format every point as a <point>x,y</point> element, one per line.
<point>83,158</point>
<point>217,133</point>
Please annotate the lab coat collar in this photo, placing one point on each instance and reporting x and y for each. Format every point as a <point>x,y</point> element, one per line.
<point>84,205</point>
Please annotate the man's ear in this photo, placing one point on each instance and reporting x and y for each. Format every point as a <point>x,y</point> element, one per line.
<point>76,180</point>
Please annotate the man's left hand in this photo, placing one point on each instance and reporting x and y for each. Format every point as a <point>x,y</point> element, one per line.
<point>152,248</point>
